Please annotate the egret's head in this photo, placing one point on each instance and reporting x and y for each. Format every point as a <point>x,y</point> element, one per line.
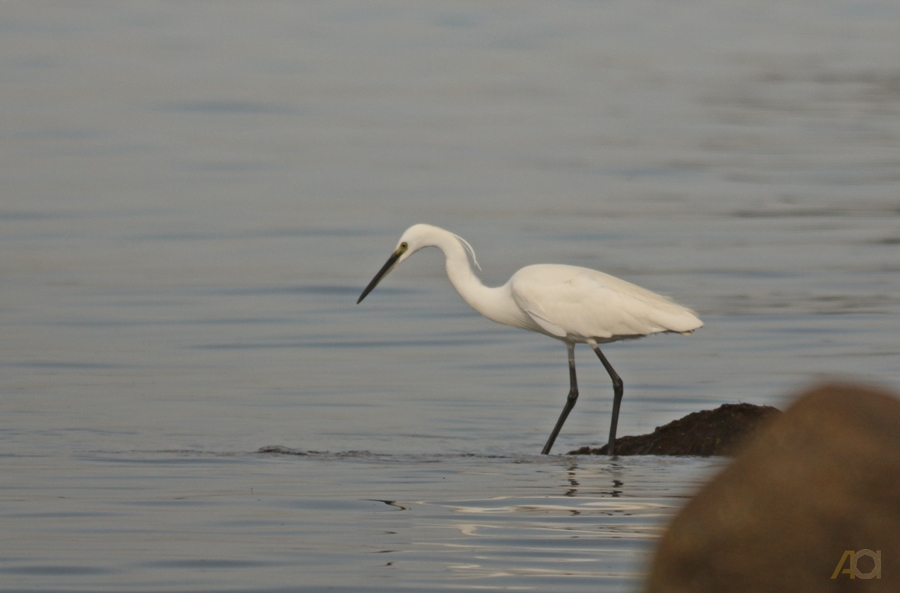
<point>413,239</point>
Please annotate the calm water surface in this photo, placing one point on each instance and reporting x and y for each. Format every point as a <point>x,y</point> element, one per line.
<point>193,195</point>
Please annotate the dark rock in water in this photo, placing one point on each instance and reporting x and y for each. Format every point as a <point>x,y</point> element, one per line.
<point>811,503</point>
<point>705,433</point>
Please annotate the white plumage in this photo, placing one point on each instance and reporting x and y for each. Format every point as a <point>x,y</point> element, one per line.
<point>569,303</point>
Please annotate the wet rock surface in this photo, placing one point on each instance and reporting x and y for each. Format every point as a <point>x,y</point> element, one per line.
<point>709,432</point>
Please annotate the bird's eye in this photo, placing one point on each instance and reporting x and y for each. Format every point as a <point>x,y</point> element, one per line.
<point>404,245</point>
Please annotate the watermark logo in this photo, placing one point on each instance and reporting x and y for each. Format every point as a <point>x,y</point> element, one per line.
<point>853,571</point>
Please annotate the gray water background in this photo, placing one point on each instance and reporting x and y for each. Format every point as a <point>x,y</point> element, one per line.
<point>193,194</point>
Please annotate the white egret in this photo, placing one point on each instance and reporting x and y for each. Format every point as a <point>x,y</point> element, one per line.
<point>572,304</point>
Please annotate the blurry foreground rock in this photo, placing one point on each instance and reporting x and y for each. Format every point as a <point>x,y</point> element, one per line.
<point>811,503</point>
<point>710,432</point>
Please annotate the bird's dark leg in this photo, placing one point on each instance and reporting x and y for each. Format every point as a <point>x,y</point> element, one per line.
<point>618,389</point>
<point>570,400</point>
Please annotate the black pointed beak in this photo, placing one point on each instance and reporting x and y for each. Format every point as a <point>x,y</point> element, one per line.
<point>387,267</point>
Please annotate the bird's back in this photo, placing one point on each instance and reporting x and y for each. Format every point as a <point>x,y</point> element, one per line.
<point>583,304</point>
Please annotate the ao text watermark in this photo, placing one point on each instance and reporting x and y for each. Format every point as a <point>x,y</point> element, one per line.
<point>853,571</point>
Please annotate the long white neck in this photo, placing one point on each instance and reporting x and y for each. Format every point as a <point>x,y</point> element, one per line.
<point>494,303</point>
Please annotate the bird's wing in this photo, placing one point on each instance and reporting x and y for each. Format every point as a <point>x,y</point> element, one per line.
<point>547,325</point>
<point>568,301</point>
